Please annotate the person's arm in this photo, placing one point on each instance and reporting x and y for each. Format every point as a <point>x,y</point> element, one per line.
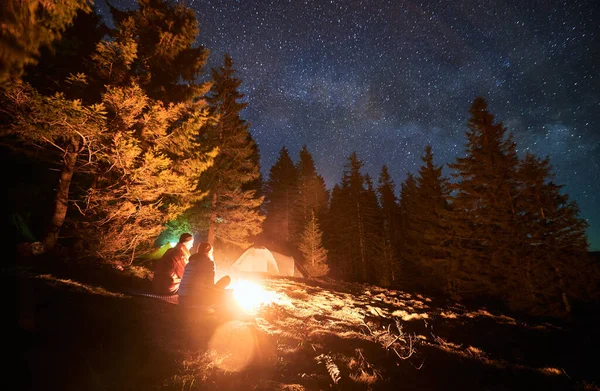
<point>179,265</point>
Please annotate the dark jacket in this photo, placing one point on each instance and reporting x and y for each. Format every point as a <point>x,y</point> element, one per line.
<point>198,283</point>
<point>169,270</point>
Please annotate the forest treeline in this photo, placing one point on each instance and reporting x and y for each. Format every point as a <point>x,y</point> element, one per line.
<point>116,139</point>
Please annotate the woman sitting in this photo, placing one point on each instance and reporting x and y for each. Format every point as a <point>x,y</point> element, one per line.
<point>198,287</point>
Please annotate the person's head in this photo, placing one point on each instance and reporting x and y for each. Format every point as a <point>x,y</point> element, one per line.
<point>187,240</point>
<point>205,248</point>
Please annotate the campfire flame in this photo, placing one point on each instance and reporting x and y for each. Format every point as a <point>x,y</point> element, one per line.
<point>250,295</point>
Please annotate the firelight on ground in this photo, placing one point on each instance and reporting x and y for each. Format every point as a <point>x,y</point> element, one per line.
<point>250,295</point>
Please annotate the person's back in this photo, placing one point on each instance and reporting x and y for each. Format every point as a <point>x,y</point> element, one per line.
<point>170,267</point>
<point>198,283</point>
<point>198,276</point>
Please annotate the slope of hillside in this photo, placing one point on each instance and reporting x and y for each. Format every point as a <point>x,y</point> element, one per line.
<point>76,328</point>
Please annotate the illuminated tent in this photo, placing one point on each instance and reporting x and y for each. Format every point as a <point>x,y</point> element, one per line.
<point>262,260</point>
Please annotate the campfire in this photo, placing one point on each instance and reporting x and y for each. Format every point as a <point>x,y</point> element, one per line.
<point>251,295</point>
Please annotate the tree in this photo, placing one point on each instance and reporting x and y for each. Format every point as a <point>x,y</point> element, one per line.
<point>337,234</point>
<point>148,174</point>
<point>350,234</point>
<point>390,212</point>
<point>409,271</point>
<point>166,62</point>
<point>375,245</point>
<point>148,170</point>
<point>28,25</point>
<point>69,55</point>
<point>54,122</point>
<point>312,192</point>
<point>311,247</point>
<point>142,158</point>
<point>555,245</point>
<point>431,251</point>
<point>485,231</point>
<point>232,212</point>
<point>281,201</point>
<point>33,195</point>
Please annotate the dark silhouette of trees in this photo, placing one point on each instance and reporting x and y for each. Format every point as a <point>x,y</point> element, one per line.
<point>390,212</point>
<point>282,202</point>
<point>554,241</point>
<point>484,243</point>
<point>312,192</point>
<point>431,250</point>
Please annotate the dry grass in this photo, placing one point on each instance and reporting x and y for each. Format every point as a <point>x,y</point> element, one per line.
<point>320,334</point>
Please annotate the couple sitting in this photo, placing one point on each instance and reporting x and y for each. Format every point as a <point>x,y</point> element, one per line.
<point>190,277</point>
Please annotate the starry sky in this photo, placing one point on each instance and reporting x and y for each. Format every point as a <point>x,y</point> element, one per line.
<point>385,78</point>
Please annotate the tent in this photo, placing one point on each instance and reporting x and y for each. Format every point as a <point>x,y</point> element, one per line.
<point>262,260</point>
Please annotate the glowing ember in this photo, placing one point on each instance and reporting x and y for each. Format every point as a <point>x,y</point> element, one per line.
<point>250,295</point>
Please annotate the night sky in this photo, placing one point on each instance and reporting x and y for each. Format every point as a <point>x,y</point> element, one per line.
<point>386,78</point>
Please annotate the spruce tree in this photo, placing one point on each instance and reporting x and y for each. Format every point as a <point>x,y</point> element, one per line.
<point>33,195</point>
<point>375,245</point>
<point>148,172</point>
<point>409,235</point>
<point>351,236</point>
<point>143,161</point>
<point>485,238</point>
<point>70,55</point>
<point>337,235</point>
<point>28,26</point>
<point>166,62</point>
<point>281,202</point>
<point>555,242</point>
<point>313,194</point>
<point>311,247</point>
<point>432,250</point>
<point>75,130</point>
<point>390,212</point>
<point>232,212</point>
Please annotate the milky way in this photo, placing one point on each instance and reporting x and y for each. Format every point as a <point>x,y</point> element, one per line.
<point>386,78</point>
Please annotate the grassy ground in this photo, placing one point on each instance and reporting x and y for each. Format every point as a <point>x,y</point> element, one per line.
<point>81,328</point>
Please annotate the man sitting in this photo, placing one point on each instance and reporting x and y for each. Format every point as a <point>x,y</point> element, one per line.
<point>170,267</point>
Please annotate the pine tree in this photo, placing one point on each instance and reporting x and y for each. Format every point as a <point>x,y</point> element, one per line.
<point>148,171</point>
<point>375,247</point>
<point>142,161</point>
<point>432,250</point>
<point>69,55</point>
<point>390,212</point>
<point>281,201</point>
<point>485,232</point>
<point>409,214</point>
<point>353,190</point>
<point>233,213</point>
<point>28,26</point>
<point>350,234</point>
<point>313,195</point>
<point>48,78</point>
<point>555,241</point>
<point>337,235</point>
<point>55,122</point>
<point>166,62</point>
<point>311,247</point>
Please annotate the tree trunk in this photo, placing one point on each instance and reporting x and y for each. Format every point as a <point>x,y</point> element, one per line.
<point>61,202</point>
<point>212,220</point>
<point>563,292</point>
